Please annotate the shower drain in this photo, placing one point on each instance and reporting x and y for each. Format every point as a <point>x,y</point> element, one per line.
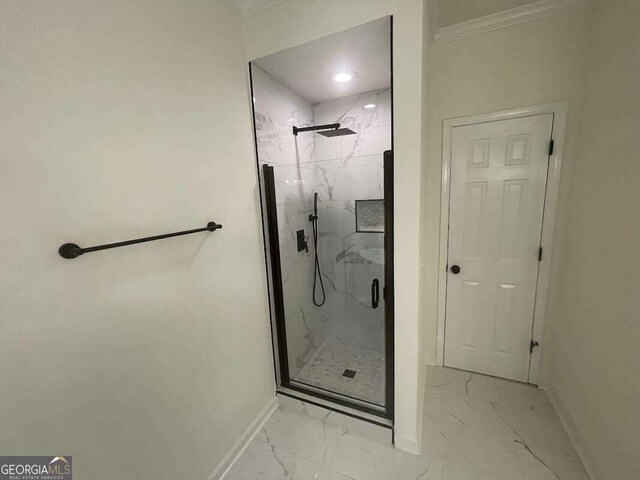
<point>349,373</point>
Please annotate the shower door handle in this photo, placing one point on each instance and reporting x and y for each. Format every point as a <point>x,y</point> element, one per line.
<point>375,293</point>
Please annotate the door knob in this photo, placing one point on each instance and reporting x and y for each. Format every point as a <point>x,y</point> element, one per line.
<point>455,269</point>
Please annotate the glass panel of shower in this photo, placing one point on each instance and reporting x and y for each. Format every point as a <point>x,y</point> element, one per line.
<point>324,149</point>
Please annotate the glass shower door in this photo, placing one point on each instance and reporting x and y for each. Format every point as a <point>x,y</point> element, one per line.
<point>348,355</point>
<point>325,168</point>
<point>332,313</point>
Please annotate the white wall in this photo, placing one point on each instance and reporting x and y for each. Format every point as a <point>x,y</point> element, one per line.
<point>296,22</point>
<point>527,64</point>
<point>594,369</point>
<point>590,347</point>
<point>123,119</point>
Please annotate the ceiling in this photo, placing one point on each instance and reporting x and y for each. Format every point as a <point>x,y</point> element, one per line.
<point>308,69</point>
<point>245,8</point>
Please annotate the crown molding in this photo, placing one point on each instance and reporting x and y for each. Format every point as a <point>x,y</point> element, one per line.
<point>513,16</point>
<point>246,12</point>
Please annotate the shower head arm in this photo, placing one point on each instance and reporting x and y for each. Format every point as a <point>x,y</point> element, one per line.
<point>330,126</point>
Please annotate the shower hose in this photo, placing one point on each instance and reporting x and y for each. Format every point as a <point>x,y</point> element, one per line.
<point>317,274</point>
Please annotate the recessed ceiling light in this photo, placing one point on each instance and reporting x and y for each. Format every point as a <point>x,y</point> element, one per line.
<point>370,106</point>
<point>343,77</point>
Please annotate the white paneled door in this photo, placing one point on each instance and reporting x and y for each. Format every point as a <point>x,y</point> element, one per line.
<point>497,193</point>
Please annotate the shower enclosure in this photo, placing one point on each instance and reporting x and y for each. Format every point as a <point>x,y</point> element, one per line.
<point>325,162</point>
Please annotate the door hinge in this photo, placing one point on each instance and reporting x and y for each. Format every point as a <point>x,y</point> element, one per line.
<point>540,254</point>
<point>551,143</point>
<point>533,345</point>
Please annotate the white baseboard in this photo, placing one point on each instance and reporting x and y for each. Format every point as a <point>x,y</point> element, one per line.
<point>586,455</point>
<point>409,445</point>
<point>243,442</point>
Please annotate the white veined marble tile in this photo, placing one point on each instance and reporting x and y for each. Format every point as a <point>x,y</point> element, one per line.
<point>328,148</point>
<point>263,461</point>
<point>449,380</point>
<point>343,421</point>
<point>538,426</point>
<point>475,413</point>
<point>352,457</point>
<point>360,334</point>
<point>295,185</point>
<point>305,470</point>
<point>307,437</point>
<point>364,459</point>
<point>350,113</point>
<point>443,470</point>
<point>277,109</point>
<point>461,441</point>
<point>501,428</point>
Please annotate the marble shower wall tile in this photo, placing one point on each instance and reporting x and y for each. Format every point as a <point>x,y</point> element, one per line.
<point>295,185</point>
<point>368,335</point>
<point>372,127</point>
<point>359,179</point>
<point>348,274</point>
<point>350,168</point>
<point>277,109</point>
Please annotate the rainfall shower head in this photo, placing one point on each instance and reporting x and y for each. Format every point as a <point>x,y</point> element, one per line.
<point>338,132</point>
<point>330,130</point>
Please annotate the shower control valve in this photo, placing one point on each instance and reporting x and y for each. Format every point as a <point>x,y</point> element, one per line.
<point>302,241</point>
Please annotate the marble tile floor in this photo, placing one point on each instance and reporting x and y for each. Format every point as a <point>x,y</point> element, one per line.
<point>326,367</point>
<point>475,428</point>
<point>499,428</point>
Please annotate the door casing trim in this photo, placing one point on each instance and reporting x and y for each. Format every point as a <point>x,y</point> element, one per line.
<point>560,111</point>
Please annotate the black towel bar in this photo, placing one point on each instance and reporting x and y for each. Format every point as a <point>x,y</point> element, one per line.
<point>71,250</point>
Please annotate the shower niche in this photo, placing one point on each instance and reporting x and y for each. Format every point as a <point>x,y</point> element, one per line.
<point>323,131</point>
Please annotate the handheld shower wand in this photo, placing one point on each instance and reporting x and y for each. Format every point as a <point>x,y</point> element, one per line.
<point>317,274</point>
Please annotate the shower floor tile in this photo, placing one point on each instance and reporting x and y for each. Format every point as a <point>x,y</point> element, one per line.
<point>326,370</point>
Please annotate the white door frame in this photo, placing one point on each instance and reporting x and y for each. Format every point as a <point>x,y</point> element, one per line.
<point>560,110</point>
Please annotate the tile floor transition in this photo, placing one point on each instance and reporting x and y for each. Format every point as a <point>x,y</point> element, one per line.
<point>475,428</point>
<point>326,367</point>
